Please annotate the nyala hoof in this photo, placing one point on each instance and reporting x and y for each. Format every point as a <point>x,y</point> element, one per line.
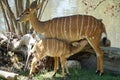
<point>54,74</point>
<point>68,74</point>
<point>99,73</point>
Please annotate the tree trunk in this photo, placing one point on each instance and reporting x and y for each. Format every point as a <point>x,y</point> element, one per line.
<point>17,14</point>
<point>5,17</point>
<point>10,15</point>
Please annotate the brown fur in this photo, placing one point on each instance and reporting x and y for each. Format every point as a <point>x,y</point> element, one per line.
<point>70,29</point>
<point>53,48</point>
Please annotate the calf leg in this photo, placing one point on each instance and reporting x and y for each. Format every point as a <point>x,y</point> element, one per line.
<point>66,67</point>
<point>56,66</point>
<point>32,69</point>
<point>62,61</point>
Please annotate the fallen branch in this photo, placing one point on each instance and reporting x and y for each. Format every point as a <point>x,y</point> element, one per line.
<point>8,75</point>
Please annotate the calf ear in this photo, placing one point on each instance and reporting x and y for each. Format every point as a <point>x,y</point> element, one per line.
<point>33,35</point>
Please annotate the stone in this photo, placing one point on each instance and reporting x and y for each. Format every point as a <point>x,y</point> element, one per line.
<point>73,64</point>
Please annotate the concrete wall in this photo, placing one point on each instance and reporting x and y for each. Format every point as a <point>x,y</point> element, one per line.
<point>108,10</point>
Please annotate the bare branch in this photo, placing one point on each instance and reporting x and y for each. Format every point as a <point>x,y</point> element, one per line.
<point>98,4</point>
<point>3,10</point>
<point>41,11</point>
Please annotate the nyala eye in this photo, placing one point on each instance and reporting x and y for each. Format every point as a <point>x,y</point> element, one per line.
<point>34,51</point>
<point>27,13</point>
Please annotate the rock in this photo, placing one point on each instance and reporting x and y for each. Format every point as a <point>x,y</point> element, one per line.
<point>89,62</point>
<point>74,64</point>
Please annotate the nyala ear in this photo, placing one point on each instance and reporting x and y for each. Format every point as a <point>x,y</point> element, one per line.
<point>33,5</point>
<point>38,5</point>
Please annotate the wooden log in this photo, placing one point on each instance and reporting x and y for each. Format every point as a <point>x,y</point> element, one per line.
<point>111,60</point>
<point>111,52</point>
<point>8,75</point>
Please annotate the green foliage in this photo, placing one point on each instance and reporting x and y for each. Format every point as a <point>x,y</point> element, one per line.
<point>83,74</point>
<point>1,78</point>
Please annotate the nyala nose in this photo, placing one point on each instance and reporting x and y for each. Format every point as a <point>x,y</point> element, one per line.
<point>17,19</point>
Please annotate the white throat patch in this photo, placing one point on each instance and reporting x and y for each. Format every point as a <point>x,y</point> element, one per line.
<point>103,35</point>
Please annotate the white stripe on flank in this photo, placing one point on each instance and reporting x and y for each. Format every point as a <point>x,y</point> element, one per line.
<point>47,47</point>
<point>61,28</point>
<point>88,25</point>
<point>70,27</point>
<point>57,28</point>
<point>65,28</point>
<point>56,47</point>
<point>93,26</point>
<point>50,29</point>
<point>81,25</point>
<point>77,26</point>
